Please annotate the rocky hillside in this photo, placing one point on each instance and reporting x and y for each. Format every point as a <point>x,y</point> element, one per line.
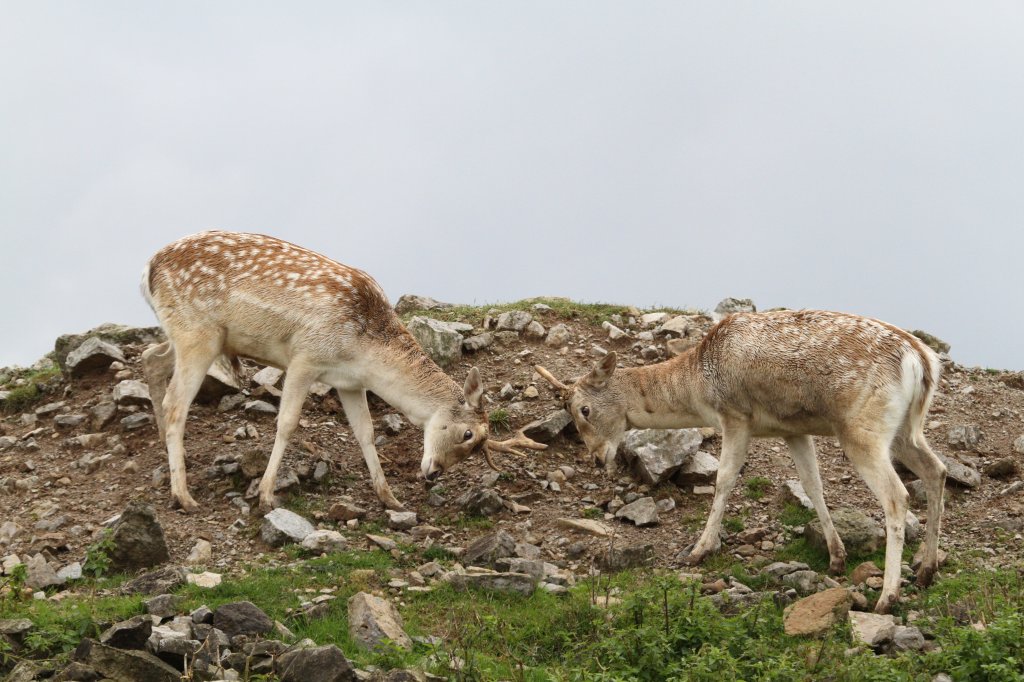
<point>79,452</point>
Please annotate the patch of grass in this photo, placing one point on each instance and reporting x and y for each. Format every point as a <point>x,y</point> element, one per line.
<point>757,487</point>
<point>97,555</point>
<point>795,515</point>
<point>733,524</point>
<point>499,420</point>
<point>593,513</point>
<point>31,392</point>
<point>437,553</point>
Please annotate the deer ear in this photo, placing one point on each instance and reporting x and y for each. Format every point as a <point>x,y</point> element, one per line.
<point>602,371</point>
<point>474,389</point>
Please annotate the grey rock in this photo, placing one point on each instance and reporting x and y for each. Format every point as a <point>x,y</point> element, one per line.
<point>93,355</point>
<point>102,415</point>
<point>907,638</point>
<point>964,436</point>
<point>241,618</point>
<point>128,634</point>
<point>439,340</point>
<point>1005,467</point>
<point>72,571</point>
<point>321,541</point>
<point>961,474</point>
<point>138,539</point>
<point>531,567</point>
<point>15,627</point>
<point>259,407</point>
<point>220,381</point>
<point>69,421</point>
<point>805,581</point>
<point>253,463</point>
<point>131,392</point>
<point>159,581</point>
<point>268,376</point>
<point>39,573</point>
<point>371,620</point>
<point>117,334</point>
<point>478,342</point>
<point>815,615</point>
<point>409,303</point>
<point>123,665</point>
<point>558,336</point>
<point>793,492</point>
<point>401,520</point>
<point>700,469</point>
<point>513,320</point>
<point>642,512</point>
<point>136,421</point>
<point>546,429</point>
<point>203,615</point>
<point>315,664</point>
<point>728,306</point>
<point>163,605</point>
<point>516,583</point>
<point>615,559</point>
<point>872,629</point>
<point>779,569</point>
<point>345,511</point>
<point>393,424</point>
<point>282,526</point>
<point>1018,445</point>
<point>487,549</point>
<point>480,502</point>
<point>656,454</point>
<point>534,331</point>
<point>24,671</point>
<point>859,532</point>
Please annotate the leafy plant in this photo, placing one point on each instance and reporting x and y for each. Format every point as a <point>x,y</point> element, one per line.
<point>499,420</point>
<point>97,555</point>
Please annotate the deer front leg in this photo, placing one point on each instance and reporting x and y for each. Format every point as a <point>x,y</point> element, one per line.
<point>297,381</point>
<point>735,439</point>
<point>358,413</point>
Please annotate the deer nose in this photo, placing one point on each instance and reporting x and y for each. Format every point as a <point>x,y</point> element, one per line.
<point>432,476</point>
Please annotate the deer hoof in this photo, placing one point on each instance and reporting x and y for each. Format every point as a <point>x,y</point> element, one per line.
<point>837,566</point>
<point>884,604</point>
<point>925,576</point>
<point>186,504</point>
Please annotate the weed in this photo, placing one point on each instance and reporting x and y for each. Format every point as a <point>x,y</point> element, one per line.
<point>499,420</point>
<point>97,555</point>
<point>733,524</point>
<point>32,391</point>
<point>757,487</point>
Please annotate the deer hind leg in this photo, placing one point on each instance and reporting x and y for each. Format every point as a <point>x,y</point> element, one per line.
<point>735,439</point>
<point>193,355</point>
<point>297,381</point>
<point>801,449</point>
<point>912,450</point>
<point>358,413</point>
<point>869,453</point>
<point>158,366</point>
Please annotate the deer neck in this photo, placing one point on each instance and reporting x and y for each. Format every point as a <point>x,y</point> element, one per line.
<point>666,395</point>
<point>407,379</point>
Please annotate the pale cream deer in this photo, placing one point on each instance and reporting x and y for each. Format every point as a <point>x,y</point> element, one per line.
<point>787,374</point>
<point>246,295</point>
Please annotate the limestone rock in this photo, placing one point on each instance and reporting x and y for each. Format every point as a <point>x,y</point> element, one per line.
<point>546,429</point>
<point>728,306</point>
<point>128,634</point>
<point>700,469</point>
<point>871,628</point>
<point>409,303</point>
<point>859,532</point>
<point>321,541</point>
<point>131,392</point>
<point>477,342</point>
<point>517,583</point>
<point>485,550</point>
<point>656,454</point>
<point>513,320</point>
<point>282,526</point>
<point>964,436</point>
<point>39,574</point>
<point>480,502</point>
<point>793,492</point>
<point>587,526</point>
<point>642,512</point>
<point>615,559</point>
<point>124,665</point>
<point>371,620</point>
<point>957,472</point>
<point>558,336</point>
<point>439,340</point>
<point>93,355</point>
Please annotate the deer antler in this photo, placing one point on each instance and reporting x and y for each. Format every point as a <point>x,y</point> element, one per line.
<point>551,379</point>
<point>510,445</point>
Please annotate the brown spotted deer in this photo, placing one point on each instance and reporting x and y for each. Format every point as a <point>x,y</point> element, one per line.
<point>787,374</point>
<point>246,295</point>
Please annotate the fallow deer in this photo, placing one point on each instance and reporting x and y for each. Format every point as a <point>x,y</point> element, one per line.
<point>788,374</point>
<point>231,295</point>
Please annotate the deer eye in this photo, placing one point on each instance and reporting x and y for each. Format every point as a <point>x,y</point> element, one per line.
<point>468,435</point>
<point>585,411</point>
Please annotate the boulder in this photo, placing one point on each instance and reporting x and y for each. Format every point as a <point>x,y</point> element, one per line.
<point>315,664</point>
<point>160,581</point>
<point>439,340</point>
<point>859,532</point>
<point>480,502</point>
<point>93,355</point>
<point>401,520</point>
<point>124,665</point>
<point>793,492</point>
<point>546,429</point>
<point>39,574</point>
<point>964,436</point>
<point>656,454</point>
<point>115,334</point>
<point>282,526</point>
<point>642,512</point>
<point>700,469</point>
<point>321,541</point>
<point>138,539</point>
<point>241,618</point>
<point>961,474</point>
<point>871,628</point>
<point>588,526</point>
<point>371,620</point>
<point>728,306</point>
<point>409,303</point>
<point>487,549</point>
<point>128,634</point>
<point>131,392</point>
<point>516,583</point>
<point>616,559</point>
<point>345,511</point>
<point>558,336</point>
<point>815,615</point>
<point>513,320</point>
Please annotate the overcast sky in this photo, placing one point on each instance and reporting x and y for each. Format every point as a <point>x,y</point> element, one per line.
<point>857,156</point>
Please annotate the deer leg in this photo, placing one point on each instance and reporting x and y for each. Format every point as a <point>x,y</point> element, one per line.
<point>869,454</point>
<point>158,366</point>
<point>801,449</point>
<point>358,413</point>
<point>735,439</point>
<point>192,357</point>
<point>297,381</point>
<point>914,452</point>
